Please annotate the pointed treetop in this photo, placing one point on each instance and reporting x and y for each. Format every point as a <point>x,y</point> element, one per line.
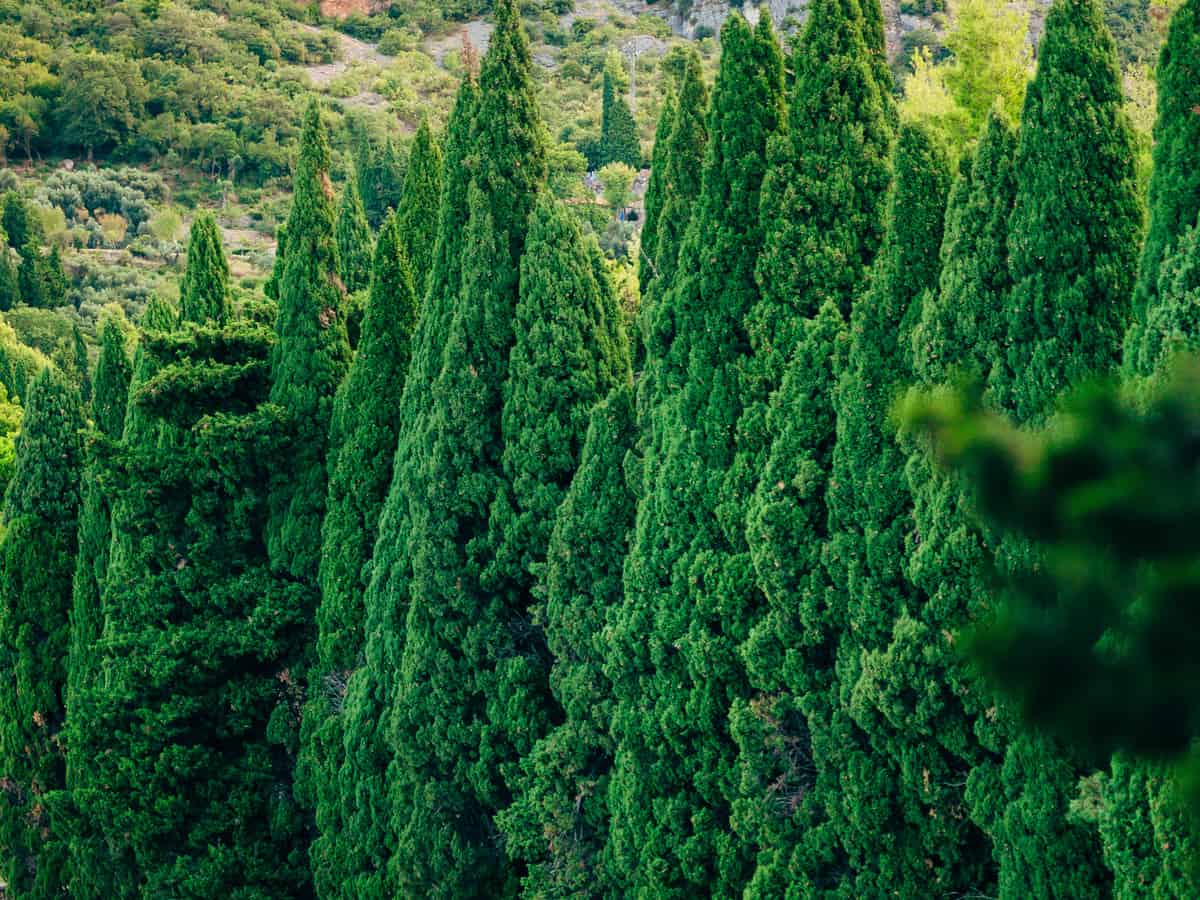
<point>111,391</point>
<point>353,239</point>
<point>49,451</point>
<point>417,216</point>
<point>204,291</point>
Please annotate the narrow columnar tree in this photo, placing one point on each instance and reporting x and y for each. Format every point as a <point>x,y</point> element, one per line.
<point>563,362</point>
<point>559,818</point>
<point>10,290</point>
<point>418,211</point>
<point>1077,219</point>
<point>895,836</point>
<point>204,290</point>
<point>353,240</point>
<point>362,442</point>
<point>364,779</point>
<point>654,195</point>
<point>1175,183</point>
<point>37,552</point>
<point>618,131</point>
<point>672,648</point>
<point>445,710</point>
<point>1172,322</point>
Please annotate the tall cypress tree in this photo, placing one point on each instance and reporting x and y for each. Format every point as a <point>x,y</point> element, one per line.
<point>880,797</point>
<point>1175,182</point>
<point>41,513</point>
<point>1076,222</point>
<point>1171,323</point>
<point>204,290</point>
<point>675,774</point>
<point>362,441</point>
<point>353,240</point>
<point>309,358</point>
<point>654,195</point>
<point>618,131</point>
<point>564,361</point>
<point>79,361</point>
<point>10,290</point>
<point>559,818</point>
<point>1067,315</point>
<point>91,568</point>
<point>364,780</point>
<point>418,210</point>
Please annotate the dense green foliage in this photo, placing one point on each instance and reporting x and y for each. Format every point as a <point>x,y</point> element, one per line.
<point>41,512</point>
<point>492,605</point>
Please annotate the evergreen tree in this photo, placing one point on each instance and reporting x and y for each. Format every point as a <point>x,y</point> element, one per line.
<point>653,198</point>
<point>108,405</point>
<point>564,360</point>
<point>80,363</point>
<point>559,820</point>
<point>1175,182</point>
<point>895,836</point>
<point>453,733</point>
<point>418,210</point>
<point>1076,222</point>
<point>30,276</point>
<point>271,285</point>
<point>674,774</point>
<point>19,224</point>
<point>362,441</point>
<point>366,773</point>
<point>1073,242</point>
<point>41,512</point>
<point>618,131</point>
<point>204,290</point>
<point>309,358</point>
<point>1171,323</point>
<point>353,240</point>
<point>54,278</point>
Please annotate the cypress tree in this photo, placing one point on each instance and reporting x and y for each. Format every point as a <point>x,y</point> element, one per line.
<point>1171,321</point>
<point>451,725</point>
<point>41,512</point>
<point>362,440</point>
<point>654,192</point>
<point>20,226</point>
<point>675,773</point>
<point>1175,182</point>
<point>30,276</point>
<point>80,362</point>
<point>204,290</point>
<point>108,405</point>
<point>418,210</point>
<point>1073,241</point>
<point>353,240</point>
<point>559,818</point>
<point>1076,222</point>
<point>618,131</point>
<point>564,360</point>
<point>364,780</point>
<point>271,285</point>
<point>54,278</point>
<point>880,799</point>
<point>309,358</point>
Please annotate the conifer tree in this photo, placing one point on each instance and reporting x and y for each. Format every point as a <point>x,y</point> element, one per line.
<point>309,358</point>
<point>1076,222</point>
<point>362,442</point>
<point>80,362</point>
<point>41,512</point>
<point>618,131</point>
<point>453,731</point>
<point>271,285</point>
<point>204,290</point>
<point>19,224</point>
<point>1175,182</point>
<point>10,291</point>
<point>108,404</point>
<point>674,778</point>
<point>365,777</point>
<point>879,800</point>
<point>1171,323</point>
<point>570,352</point>
<point>653,198</point>
<point>54,278</point>
<point>353,240</point>
<point>418,210</point>
<point>30,276</point>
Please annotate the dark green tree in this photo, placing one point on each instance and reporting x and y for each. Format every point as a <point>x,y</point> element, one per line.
<point>418,209</point>
<point>673,647</point>
<point>1077,219</point>
<point>362,441</point>
<point>271,285</point>
<point>618,131</point>
<point>654,195</point>
<point>1175,182</point>
<point>54,278</point>
<point>452,731</point>
<point>563,362</point>
<point>204,290</point>
<point>10,290</point>
<point>354,240</point>
<point>365,777</point>
<point>1171,323</point>
<point>79,360</point>
<point>37,559</point>
<point>31,279</point>
<point>19,223</point>
<point>108,404</point>
<point>881,795</point>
